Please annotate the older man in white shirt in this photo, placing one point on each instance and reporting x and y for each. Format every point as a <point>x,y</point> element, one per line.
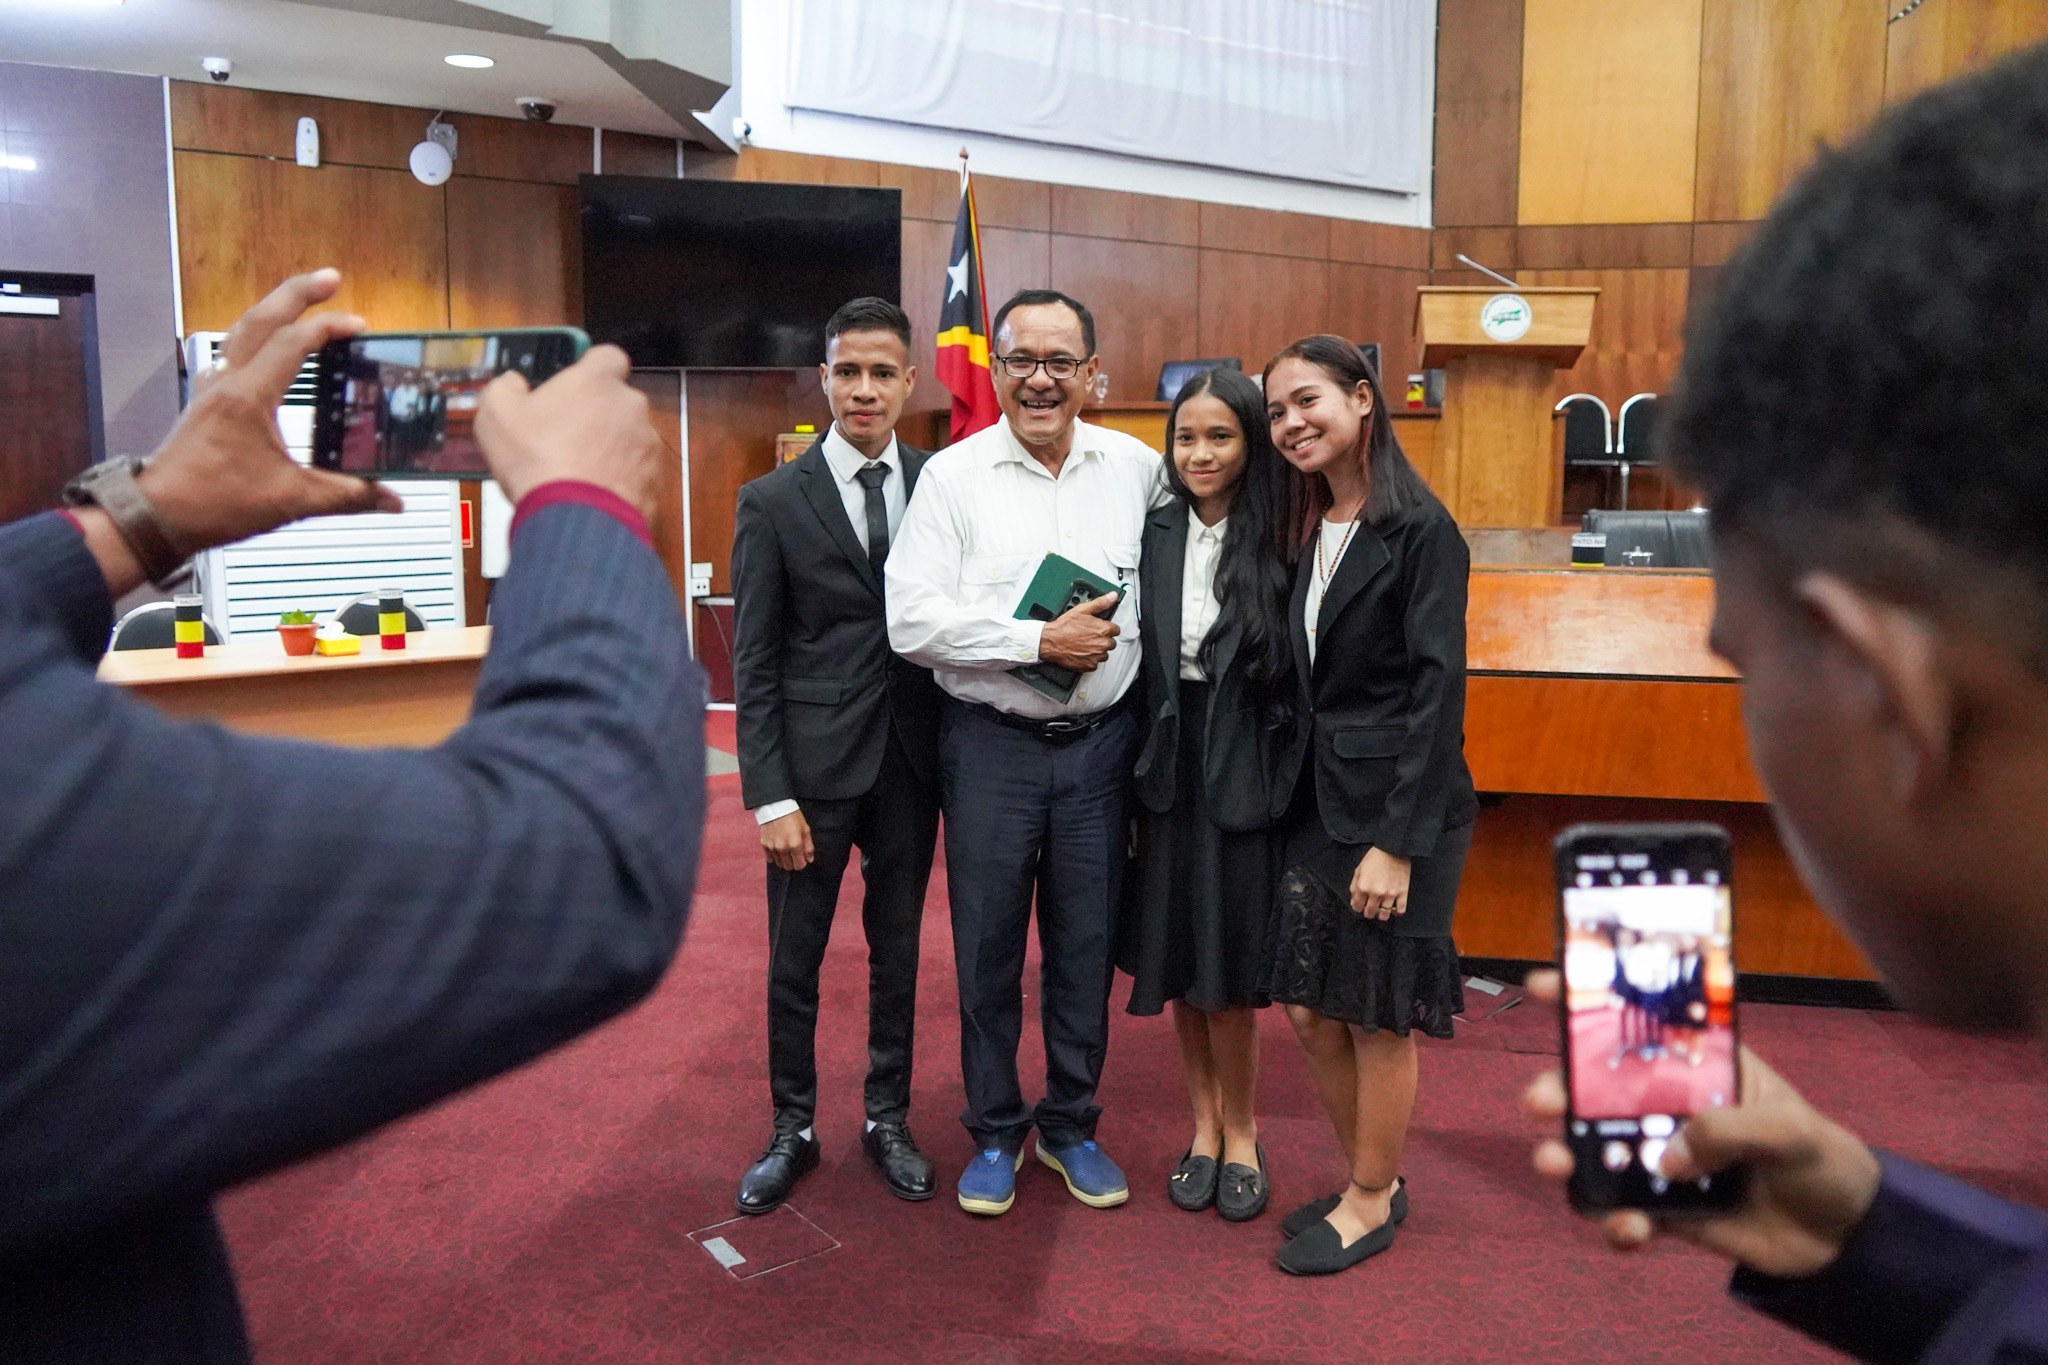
<point>1033,788</point>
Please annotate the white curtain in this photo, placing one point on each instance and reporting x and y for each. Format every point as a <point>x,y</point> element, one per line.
<point>1333,91</point>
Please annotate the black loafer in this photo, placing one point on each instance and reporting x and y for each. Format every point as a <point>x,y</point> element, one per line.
<point>1316,1210</point>
<point>1241,1192</point>
<point>1321,1250</point>
<point>904,1169</point>
<point>1192,1186</point>
<point>770,1180</point>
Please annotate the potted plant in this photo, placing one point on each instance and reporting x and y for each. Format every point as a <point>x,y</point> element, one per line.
<point>296,629</point>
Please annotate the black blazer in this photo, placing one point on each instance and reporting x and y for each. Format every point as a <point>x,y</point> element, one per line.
<point>1385,701</point>
<point>816,684</point>
<point>1246,741</point>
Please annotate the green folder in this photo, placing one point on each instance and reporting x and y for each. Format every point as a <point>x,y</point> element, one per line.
<point>1058,587</point>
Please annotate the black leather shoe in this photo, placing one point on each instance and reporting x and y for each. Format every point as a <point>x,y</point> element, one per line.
<point>904,1168</point>
<point>770,1180</point>
<point>1241,1192</point>
<point>1321,1250</point>
<point>1192,1186</point>
<point>1316,1210</point>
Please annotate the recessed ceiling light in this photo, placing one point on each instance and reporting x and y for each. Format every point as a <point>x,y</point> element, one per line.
<point>17,163</point>
<point>468,60</point>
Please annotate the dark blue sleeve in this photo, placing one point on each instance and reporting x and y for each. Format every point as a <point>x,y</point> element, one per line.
<point>1929,1245</point>
<point>221,953</point>
<point>51,577</point>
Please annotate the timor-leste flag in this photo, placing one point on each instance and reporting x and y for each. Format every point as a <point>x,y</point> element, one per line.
<point>963,327</point>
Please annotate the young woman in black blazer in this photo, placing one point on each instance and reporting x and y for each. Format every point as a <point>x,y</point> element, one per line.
<point>1375,835</point>
<point>1217,689</point>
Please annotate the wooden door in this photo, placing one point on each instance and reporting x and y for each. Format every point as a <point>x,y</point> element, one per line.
<point>46,412</point>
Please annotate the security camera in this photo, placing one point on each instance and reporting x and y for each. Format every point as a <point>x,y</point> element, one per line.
<point>220,68</point>
<point>537,109</point>
<point>743,132</point>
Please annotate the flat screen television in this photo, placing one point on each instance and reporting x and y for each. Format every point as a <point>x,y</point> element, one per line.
<point>720,274</point>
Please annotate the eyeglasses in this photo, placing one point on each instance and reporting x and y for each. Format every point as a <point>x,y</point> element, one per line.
<point>1024,366</point>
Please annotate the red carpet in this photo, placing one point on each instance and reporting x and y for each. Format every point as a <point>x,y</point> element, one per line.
<point>547,1217</point>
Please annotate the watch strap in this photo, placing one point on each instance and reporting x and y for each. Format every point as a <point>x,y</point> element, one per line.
<point>111,486</point>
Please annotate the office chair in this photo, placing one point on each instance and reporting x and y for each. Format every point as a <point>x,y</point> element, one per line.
<point>1588,434</point>
<point>1176,373</point>
<point>1636,442</point>
<point>360,616</point>
<point>1652,540</point>
<point>152,626</point>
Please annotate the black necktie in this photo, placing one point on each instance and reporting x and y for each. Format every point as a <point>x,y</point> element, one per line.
<point>878,514</point>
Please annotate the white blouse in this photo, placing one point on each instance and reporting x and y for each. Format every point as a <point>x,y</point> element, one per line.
<point>1336,537</point>
<point>1198,606</point>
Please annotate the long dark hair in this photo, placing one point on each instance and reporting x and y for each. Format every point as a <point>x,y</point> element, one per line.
<point>1254,569</point>
<point>1392,485</point>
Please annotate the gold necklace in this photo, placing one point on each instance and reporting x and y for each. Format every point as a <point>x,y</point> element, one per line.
<point>1322,574</point>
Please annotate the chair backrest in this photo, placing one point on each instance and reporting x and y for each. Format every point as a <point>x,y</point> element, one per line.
<point>153,625</point>
<point>1588,431</point>
<point>1175,373</point>
<point>1671,540</point>
<point>360,616</point>
<point>1637,431</point>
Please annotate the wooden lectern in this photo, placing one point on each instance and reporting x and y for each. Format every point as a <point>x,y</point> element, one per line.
<point>1499,349</point>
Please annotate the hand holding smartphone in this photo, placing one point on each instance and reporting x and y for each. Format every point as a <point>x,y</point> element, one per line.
<point>1646,942</point>
<point>403,404</point>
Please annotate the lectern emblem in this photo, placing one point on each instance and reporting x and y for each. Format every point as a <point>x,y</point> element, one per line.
<point>1504,317</point>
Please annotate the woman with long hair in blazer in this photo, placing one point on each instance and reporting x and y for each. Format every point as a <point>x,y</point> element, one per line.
<point>1375,836</point>
<point>1218,687</point>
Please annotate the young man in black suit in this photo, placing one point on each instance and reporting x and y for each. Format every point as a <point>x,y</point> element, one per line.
<point>838,743</point>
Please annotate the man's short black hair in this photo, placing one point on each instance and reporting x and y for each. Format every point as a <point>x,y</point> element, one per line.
<point>1874,365</point>
<point>869,315</point>
<point>1032,298</point>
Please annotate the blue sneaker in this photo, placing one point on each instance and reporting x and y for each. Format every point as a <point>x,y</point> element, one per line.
<point>989,1184</point>
<point>1091,1176</point>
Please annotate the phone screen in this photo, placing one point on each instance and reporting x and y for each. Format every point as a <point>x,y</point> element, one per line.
<point>1646,936</point>
<point>405,403</point>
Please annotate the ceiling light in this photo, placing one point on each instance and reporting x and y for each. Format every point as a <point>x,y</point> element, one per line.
<point>17,163</point>
<point>469,61</point>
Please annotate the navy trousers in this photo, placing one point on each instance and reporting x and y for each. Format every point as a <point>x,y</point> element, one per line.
<point>1026,815</point>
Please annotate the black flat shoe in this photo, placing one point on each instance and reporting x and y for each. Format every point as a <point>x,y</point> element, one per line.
<point>770,1180</point>
<point>904,1169</point>
<point>1241,1192</point>
<point>1321,1250</point>
<point>1316,1210</point>
<point>1192,1186</point>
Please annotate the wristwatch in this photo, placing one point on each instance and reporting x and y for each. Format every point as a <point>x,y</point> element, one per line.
<point>111,486</point>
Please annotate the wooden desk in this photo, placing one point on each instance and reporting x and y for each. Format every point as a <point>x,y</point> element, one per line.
<point>1592,695</point>
<point>410,698</point>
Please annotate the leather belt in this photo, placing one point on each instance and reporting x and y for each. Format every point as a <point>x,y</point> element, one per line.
<point>1059,729</point>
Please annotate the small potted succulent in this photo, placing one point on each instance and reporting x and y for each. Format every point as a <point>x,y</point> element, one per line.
<point>296,629</point>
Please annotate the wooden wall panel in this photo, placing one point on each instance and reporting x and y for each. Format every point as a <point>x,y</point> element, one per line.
<point>1714,243</point>
<point>218,118</point>
<point>638,154</point>
<point>1613,246</point>
<point>1253,305</point>
<point>1010,261</point>
<point>1638,330</point>
<point>1379,244</point>
<point>1776,79</point>
<point>664,390</point>
<point>513,255</point>
<point>1125,217</point>
<point>1610,111</point>
<point>1938,42</point>
<point>759,163</point>
<point>927,193</point>
<point>1229,227</point>
<point>1478,111</point>
<point>735,416</point>
<point>1374,303</point>
<point>1496,248</point>
<point>245,223</point>
<point>510,149</point>
<point>1022,204</point>
<point>927,246</point>
<point>1143,297</point>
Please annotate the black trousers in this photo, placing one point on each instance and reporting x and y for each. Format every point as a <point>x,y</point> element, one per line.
<point>1024,815</point>
<point>895,825</point>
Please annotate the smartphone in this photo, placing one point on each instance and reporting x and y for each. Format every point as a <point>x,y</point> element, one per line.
<point>403,404</point>
<point>1645,934</point>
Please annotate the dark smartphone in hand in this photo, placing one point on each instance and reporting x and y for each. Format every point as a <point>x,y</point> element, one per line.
<point>1645,935</point>
<point>403,404</point>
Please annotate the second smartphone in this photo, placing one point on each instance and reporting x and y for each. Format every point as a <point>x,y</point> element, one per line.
<point>403,404</point>
<point>1646,925</point>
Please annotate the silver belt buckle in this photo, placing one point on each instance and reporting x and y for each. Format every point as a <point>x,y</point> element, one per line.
<point>1064,725</point>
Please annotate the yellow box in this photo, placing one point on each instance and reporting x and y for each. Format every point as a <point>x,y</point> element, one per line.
<point>346,644</point>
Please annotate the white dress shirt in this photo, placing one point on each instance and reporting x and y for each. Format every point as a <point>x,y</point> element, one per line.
<point>1198,605</point>
<point>986,513</point>
<point>1336,537</point>
<point>847,463</point>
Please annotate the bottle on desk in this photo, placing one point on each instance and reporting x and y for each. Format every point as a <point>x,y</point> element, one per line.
<point>188,625</point>
<point>391,618</point>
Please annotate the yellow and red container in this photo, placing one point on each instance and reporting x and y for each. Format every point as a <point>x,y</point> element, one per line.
<point>391,618</point>
<point>188,625</point>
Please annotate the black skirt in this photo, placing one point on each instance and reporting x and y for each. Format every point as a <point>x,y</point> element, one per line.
<point>1198,919</point>
<point>1400,974</point>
